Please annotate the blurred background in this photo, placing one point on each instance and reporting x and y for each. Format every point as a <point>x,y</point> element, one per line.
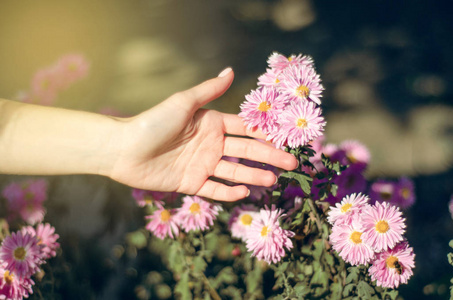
<point>387,69</point>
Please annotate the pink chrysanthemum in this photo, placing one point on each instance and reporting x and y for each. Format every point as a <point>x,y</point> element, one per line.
<point>266,239</point>
<point>45,86</point>
<point>404,191</point>
<point>241,220</point>
<point>162,223</point>
<point>13,287</point>
<point>21,253</point>
<point>300,123</point>
<point>355,153</point>
<point>300,84</point>
<point>346,239</point>
<point>384,226</point>
<point>280,62</point>
<point>383,191</point>
<point>349,207</point>
<point>45,233</point>
<point>262,109</point>
<point>144,198</point>
<point>71,68</point>
<point>26,199</point>
<point>196,213</point>
<point>270,78</point>
<point>394,266</point>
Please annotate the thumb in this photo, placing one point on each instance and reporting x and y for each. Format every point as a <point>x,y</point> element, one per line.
<point>205,92</point>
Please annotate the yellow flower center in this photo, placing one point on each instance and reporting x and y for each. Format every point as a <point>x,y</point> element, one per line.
<point>264,231</point>
<point>351,158</point>
<point>277,80</point>
<point>73,67</point>
<point>148,200</point>
<point>8,277</point>
<point>385,195</point>
<point>264,106</point>
<point>246,219</point>
<point>165,215</point>
<point>405,192</point>
<point>301,123</point>
<point>19,253</point>
<point>194,208</point>
<point>346,207</point>
<point>302,91</point>
<point>382,226</point>
<point>355,237</point>
<point>290,59</point>
<point>391,262</point>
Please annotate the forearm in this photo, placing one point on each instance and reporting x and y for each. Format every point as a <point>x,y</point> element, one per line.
<point>53,141</point>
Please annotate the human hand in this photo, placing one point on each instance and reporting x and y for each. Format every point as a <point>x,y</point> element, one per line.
<point>177,146</point>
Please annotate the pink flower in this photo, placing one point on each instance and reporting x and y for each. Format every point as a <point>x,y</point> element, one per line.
<point>262,109</point>
<point>26,199</point>
<point>266,239</point>
<point>349,181</point>
<point>346,239</point>
<point>354,153</point>
<point>404,190</point>
<point>13,287</point>
<point>270,78</point>
<point>45,233</point>
<point>21,253</point>
<point>348,208</point>
<point>144,198</point>
<point>450,206</point>
<point>300,123</point>
<point>162,223</point>
<point>300,84</point>
<point>383,191</point>
<point>241,220</point>
<point>280,62</point>
<point>393,266</point>
<point>45,86</point>
<point>71,68</point>
<point>196,213</point>
<point>383,226</point>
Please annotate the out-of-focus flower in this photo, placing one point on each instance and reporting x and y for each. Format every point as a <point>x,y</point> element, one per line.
<point>13,287</point>
<point>349,181</point>
<point>300,84</point>
<point>45,86</point>
<point>262,109</point>
<point>196,213</point>
<point>349,207</point>
<point>394,266</point>
<point>241,220</point>
<point>25,199</point>
<point>163,223</point>
<point>45,233</point>
<point>71,68</point>
<point>355,153</point>
<point>150,198</point>
<point>21,253</point>
<point>346,239</point>
<point>266,239</point>
<point>405,193</point>
<point>383,226</point>
<point>383,191</point>
<point>300,123</point>
<point>450,206</point>
<point>280,62</point>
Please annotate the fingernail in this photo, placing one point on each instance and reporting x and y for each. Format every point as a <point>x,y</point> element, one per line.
<point>276,180</point>
<point>248,193</point>
<point>225,72</point>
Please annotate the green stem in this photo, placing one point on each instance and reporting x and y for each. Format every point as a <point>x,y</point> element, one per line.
<point>315,212</point>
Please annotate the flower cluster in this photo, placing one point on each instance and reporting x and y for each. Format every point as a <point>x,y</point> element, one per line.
<point>399,193</point>
<point>195,214</point>
<point>21,255</point>
<point>49,81</point>
<point>364,233</point>
<point>285,105</point>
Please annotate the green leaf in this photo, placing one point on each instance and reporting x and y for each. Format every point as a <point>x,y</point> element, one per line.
<point>451,244</point>
<point>182,287</point>
<point>353,275</point>
<point>320,278</point>
<point>450,258</point>
<point>301,290</point>
<point>253,280</point>
<point>302,178</point>
<point>199,264</point>
<point>364,290</point>
<point>333,189</point>
<point>348,289</point>
<point>336,290</point>
<point>319,247</point>
<point>227,275</point>
<point>329,259</point>
<point>137,239</point>
<point>175,260</point>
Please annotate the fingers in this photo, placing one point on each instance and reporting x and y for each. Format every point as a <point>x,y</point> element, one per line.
<point>239,173</point>
<point>259,151</point>
<point>196,97</point>
<point>235,125</point>
<point>222,192</point>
